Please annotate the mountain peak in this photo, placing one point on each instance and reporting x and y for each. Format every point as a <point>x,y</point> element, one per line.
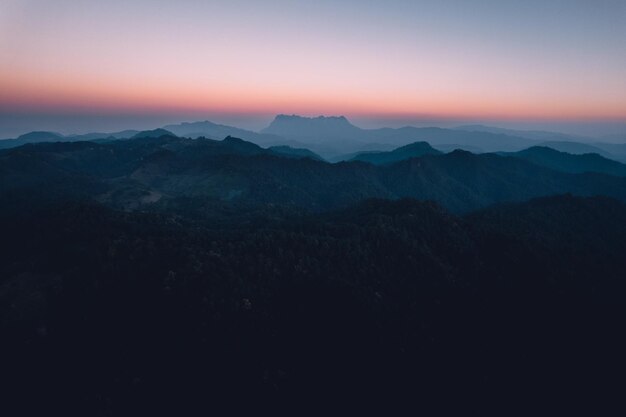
<point>156,133</point>
<point>232,139</point>
<point>241,145</point>
<point>285,117</point>
<point>412,150</point>
<point>294,125</point>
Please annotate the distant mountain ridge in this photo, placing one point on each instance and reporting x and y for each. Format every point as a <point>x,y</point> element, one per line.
<point>38,137</point>
<point>216,131</point>
<point>335,137</point>
<point>344,137</point>
<point>538,135</point>
<point>34,137</point>
<point>328,126</point>
<point>31,137</point>
<point>563,142</point>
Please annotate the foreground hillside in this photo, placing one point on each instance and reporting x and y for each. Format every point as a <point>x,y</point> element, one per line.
<point>163,275</point>
<point>104,312</point>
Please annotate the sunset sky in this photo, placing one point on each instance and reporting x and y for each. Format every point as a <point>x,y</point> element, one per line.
<point>78,65</point>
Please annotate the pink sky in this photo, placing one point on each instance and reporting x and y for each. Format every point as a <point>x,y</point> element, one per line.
<point>354,58</point>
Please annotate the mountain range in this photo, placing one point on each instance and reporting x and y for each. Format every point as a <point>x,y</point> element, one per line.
<point>335,138</point>
<point>144,274</point>
<point>158,169</point>
<point>573,163</point>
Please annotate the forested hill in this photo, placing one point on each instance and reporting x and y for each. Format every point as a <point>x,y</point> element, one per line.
<point>169,275</point>
<point>147,172</point>
<point>105,312</point>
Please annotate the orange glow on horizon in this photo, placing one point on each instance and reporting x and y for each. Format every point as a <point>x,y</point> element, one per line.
<point>122,95</point>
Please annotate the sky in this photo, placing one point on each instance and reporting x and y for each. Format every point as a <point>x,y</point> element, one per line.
<point>75,65</point>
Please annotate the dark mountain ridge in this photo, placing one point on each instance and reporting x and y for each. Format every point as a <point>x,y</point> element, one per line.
<point>540,155</point>
<point>285,150</point>
<point>578,163</point>
<point>132,173</point>
<point>575,148</point>
<point>38,137</point>
<point>155,133</point>
<point>412,150</point>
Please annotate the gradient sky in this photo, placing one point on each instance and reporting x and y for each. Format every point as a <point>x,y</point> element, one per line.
<point>78,65</point>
